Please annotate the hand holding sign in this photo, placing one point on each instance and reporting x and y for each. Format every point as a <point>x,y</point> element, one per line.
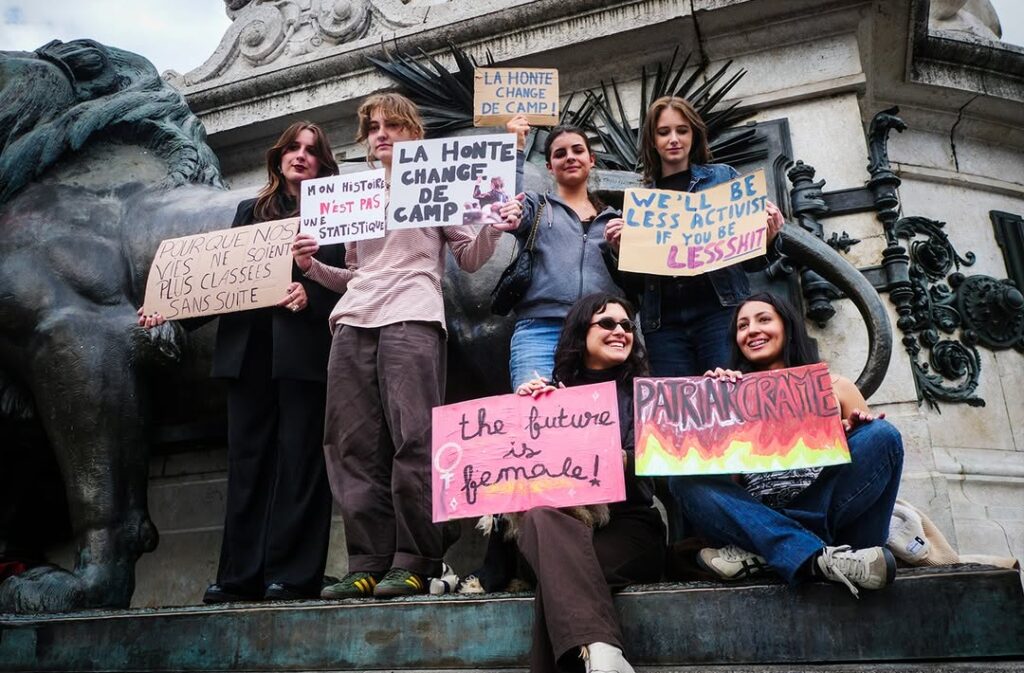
<point>221,271</point>
<point>343,208</point>
<point>512,452</point>
<point>761,422</point>
<point>502,93</point>
<point>689,233</point>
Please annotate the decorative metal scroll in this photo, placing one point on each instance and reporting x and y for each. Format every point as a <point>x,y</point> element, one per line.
<point>943,314</point>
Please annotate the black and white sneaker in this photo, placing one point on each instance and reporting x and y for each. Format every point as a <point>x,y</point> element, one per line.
<point>731,562</point>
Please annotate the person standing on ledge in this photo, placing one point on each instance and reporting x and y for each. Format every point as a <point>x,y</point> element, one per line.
<point>386,373</point>
<point>278,520</point>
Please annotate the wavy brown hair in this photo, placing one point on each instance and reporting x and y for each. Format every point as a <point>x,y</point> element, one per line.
<point>700,152</point>
<point>396,108</point>
<point>273,202</point>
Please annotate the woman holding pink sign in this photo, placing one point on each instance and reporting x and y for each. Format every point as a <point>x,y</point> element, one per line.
<point>386,373</point>
<point>278,507</point>
<point>826,523</point>
<point>577,567</point>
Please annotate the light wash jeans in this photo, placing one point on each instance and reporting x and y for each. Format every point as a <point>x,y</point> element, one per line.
<point>533,349</point>
<point>847,504</point>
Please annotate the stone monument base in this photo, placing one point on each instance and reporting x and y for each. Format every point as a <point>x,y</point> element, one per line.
<point>957,618</point>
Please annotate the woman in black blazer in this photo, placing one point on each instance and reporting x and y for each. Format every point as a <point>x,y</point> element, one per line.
<point>278,517</point>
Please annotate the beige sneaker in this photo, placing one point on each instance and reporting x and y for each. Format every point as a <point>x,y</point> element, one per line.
<point>604,658</point>
<point>871,568</point>
<point>731,562</point>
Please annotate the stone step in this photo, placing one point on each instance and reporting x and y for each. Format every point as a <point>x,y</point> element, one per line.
<point>959,615</point>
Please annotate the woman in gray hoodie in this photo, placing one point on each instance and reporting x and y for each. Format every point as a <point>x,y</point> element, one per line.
<point>568,262</point>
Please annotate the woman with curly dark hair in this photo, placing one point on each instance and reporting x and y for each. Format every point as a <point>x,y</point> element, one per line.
<point>577,567</point>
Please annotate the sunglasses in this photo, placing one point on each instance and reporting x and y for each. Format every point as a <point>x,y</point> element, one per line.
<point>627,325</point>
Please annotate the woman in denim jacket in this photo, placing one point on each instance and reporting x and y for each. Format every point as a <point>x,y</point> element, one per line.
<point>685,320</point>
<point>568,261</point>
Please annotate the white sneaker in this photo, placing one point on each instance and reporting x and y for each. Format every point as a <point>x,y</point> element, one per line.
<point>604,658</point>
<point>731,562</point>
<point>871,568</point>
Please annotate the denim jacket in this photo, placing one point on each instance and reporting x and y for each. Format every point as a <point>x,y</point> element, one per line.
<point>730,284</point>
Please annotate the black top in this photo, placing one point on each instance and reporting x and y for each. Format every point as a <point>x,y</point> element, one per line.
<point>301,340</point>
<point>679,182</point>
<point>639,490</point>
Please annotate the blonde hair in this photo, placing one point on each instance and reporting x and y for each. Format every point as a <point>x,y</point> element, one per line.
<point>396,108</point>
<point>700,153</point>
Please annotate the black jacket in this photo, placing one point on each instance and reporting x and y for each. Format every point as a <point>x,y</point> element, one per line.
<point>301,341</point>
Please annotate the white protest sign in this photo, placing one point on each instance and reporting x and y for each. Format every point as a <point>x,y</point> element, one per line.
<point>445,181</point>
<point>343,208</point>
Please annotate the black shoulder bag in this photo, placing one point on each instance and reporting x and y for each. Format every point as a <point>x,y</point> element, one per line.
<point>516,277</point>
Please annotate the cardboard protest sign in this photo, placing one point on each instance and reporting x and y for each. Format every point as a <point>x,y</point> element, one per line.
<point>502,93</point>
<point>343,208</point>
<point>221,271</point>
<point>672,233</point>
<point>767,421</point>
<point>511,453</point>
<point>446,181</point>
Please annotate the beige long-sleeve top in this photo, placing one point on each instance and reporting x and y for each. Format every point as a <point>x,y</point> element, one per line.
<point>398,277</point>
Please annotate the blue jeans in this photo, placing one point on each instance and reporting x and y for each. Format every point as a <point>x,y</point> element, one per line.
<point>692,339</point>
<point>533,349</point>
<point>847,504</point>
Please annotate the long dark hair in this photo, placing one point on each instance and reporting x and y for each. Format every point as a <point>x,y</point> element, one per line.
<point>700,152</point>
<point>273,202</point>
<point>798,348</point>
<point>570,354</point>
<point>562,130</point>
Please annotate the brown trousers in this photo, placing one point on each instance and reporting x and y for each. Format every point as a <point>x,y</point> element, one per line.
<point>577,569</point>
<point>382,383</point>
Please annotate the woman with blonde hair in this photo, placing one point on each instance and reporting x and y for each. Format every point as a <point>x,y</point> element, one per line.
<point>386,373</point>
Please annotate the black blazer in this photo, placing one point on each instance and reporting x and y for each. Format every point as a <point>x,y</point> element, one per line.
<point>301,341</point>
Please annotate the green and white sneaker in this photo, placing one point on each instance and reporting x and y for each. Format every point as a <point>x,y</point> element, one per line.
<point>400,582</point>
<point>352,585</point>
<point>731,562</point>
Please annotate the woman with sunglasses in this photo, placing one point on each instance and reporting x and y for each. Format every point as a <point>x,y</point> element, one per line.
<point>568,261</point>
<point>577,567</point>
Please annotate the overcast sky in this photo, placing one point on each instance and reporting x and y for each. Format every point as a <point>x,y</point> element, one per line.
<point>181,34</point>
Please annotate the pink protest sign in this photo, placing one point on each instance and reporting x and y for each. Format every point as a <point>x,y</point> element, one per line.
<point>511,453</point>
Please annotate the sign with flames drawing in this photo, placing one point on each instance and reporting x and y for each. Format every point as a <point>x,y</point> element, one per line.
<point>766,421</point>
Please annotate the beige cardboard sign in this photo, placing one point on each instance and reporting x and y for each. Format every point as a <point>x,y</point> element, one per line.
<point>502,93</point>
<point>672,233</point>
<point>221,271</point>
